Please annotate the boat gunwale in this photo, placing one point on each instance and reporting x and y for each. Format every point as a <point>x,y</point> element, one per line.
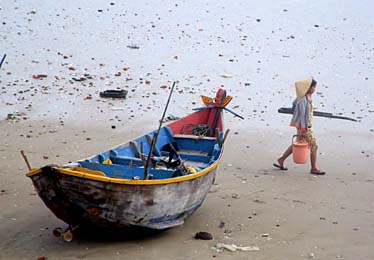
<point>107,179</point>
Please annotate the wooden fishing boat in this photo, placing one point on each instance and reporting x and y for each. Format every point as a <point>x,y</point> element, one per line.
<point>116,189</point>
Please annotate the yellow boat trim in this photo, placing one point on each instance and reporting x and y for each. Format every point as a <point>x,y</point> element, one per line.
<point>96,177</point>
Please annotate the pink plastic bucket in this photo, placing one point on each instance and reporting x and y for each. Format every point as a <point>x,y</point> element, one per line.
<point>300,150</point>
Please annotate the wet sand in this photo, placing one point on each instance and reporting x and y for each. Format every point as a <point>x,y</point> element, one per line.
<point>304,216</point>
<point>256,51</point>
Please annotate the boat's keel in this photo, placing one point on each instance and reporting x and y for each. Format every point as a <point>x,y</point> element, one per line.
<point>164,225</point>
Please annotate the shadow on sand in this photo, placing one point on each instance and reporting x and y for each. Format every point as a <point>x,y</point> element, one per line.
<point>95,234</point>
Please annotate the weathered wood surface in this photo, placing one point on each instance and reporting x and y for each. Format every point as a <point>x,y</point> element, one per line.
<point>112,205</point>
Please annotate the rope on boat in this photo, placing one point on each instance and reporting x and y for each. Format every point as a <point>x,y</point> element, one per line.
<point>199,130</point>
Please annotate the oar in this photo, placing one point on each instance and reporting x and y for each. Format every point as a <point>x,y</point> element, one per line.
<point>225,108</point>
<point>2,60</point>
<point>232,112</point>
<point>289,110</point>
<point>155,136</point>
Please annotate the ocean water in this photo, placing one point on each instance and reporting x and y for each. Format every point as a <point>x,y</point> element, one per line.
<point>254,49</point>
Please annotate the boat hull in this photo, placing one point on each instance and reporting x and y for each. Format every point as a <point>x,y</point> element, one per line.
<point>113,205</point>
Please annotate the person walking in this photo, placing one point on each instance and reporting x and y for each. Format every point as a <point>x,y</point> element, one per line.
<point>302,119</point>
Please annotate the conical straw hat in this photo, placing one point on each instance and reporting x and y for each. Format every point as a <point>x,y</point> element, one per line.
<point>302,87</point>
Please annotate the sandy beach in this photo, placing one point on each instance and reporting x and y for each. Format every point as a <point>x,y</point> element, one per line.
<point>255,51</point>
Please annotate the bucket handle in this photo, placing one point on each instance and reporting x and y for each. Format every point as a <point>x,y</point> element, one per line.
<point>306,137</point>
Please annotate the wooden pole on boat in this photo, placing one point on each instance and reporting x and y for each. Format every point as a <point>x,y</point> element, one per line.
<point>26,160</point>
<point>155,136</point>
<point>219,140</point>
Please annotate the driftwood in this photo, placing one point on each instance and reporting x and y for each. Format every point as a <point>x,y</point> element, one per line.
<point>289,110</point>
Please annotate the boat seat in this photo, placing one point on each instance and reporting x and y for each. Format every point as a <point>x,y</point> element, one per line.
<point>194,148</point>
<point>124,171</point>
<point>194,157</point>
<point>191,155</point>
<point>85,170</point>
<point>113,170</point>
<point>194,137</point>
<point>126,160</point>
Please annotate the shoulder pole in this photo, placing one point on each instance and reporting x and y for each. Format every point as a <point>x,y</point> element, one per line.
<point>289,110</point>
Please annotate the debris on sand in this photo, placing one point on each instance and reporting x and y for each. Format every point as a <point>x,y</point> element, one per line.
<point>2,60</point>
<point>203,235</point>
<point>112,93</point>
<point>226,76</point>
<point>16,116</point>
<point>171,118</point>
<point>234,248</point>
<point>79,79</point>
<point>39,76</point>
<point>132,46</point>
